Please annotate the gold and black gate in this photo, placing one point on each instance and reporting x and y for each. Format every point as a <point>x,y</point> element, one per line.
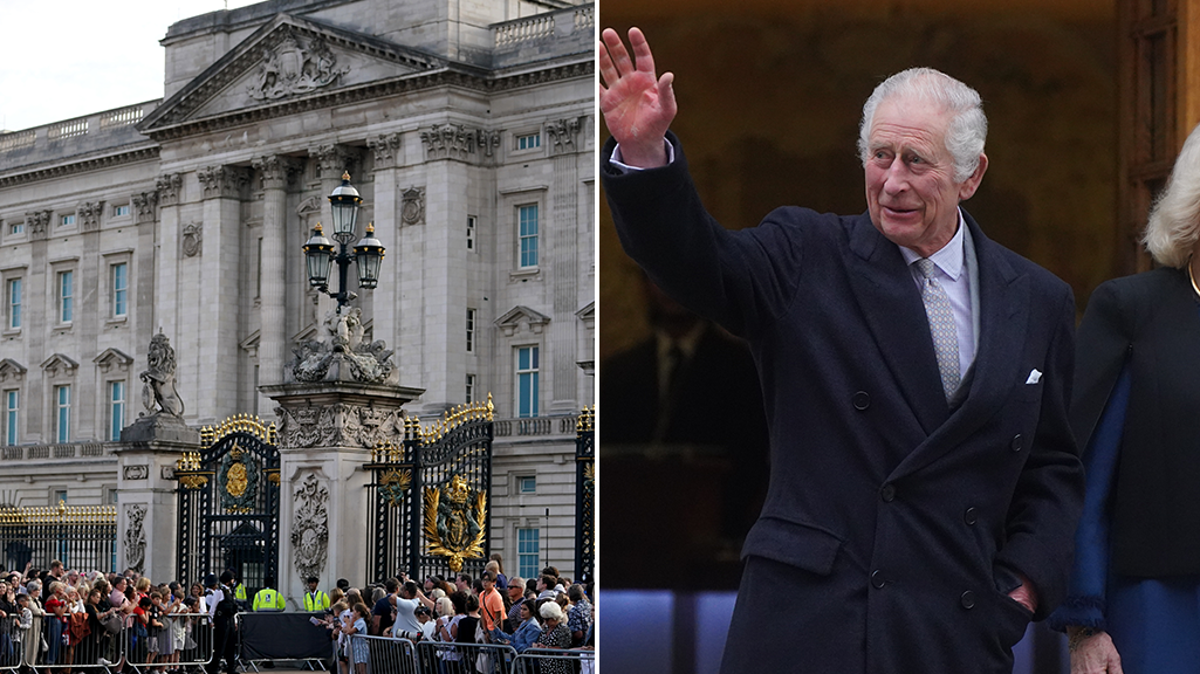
<point>585,495</point>
<point>429,496</point>
<point>229,503</point>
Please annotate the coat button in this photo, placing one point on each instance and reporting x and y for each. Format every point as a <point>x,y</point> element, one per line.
<point>888,493</point>
<point>1015,445</point>
<point>862,400</point>
<point>971,515</point>
<point>877,579</point>
<point>967,600</point>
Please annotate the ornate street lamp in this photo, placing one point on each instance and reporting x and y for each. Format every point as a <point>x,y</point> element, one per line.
<point>319,250</point>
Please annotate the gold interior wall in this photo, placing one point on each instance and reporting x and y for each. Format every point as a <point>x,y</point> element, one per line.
<point>770,94</point>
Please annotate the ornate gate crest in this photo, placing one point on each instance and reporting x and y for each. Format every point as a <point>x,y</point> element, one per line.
<point>229,502</point>
<point>430,496</point>
<point>454,517</point>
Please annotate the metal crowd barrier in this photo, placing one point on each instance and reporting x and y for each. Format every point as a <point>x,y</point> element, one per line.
<point>555,661</point>
<point>387,655</point>
<point>438,657</point>
<point>41,646</point>
<point>10,645</point>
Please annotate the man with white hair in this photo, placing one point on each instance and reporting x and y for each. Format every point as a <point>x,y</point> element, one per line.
<point>925,484</point>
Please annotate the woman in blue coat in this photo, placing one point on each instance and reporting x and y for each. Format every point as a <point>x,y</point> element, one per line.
<point>1134,603</point>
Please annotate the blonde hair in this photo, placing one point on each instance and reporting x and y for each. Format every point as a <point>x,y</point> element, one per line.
<point>1174,224</point>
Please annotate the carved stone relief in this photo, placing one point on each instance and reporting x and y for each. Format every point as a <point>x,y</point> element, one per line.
<point>449,141</point>
<point>295,67</point>
<point>337,425</point>
<point>412,206</point>
<point>138,472</point>
<point>159,395</point>
<point>310,527</point>
<point>37,222</point>
<point>564,135</point>
<point>191,243</point>
<point>343,355</point>
<point>168,187</point>
<point>89,215</point>
<point>225,182</point>
<point>489,141</point>
<point>386,148</point>
<point>135,536</point>
<point>145,203</point>
<point>333,160</point>
<point>276,172</point>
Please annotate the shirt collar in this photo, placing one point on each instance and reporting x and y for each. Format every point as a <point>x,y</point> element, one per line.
<point>949,259</point>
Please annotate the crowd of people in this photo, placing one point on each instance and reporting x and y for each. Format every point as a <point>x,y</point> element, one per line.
<point>547,612</point>
<point>58,618</point>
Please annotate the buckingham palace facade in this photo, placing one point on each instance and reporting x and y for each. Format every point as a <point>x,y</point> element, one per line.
<point>468,128</point>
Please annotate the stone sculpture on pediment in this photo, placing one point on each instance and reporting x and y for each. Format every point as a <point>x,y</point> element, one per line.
<point>343,354</point>
<point>158,391</point>
<point>290,68</point>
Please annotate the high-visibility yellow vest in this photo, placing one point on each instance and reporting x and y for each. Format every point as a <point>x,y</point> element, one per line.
<point>268,600</point>
<point>318,603</point>
<point>239,592</point>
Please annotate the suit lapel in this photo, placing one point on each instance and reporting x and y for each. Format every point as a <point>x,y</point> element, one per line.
<point>1004,314</point>
<point>892,307</point>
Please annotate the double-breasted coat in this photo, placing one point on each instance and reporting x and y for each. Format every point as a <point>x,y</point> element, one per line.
<point>895,522</point>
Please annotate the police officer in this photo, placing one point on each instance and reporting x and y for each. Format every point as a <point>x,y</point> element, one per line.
<point>222,609</point>
<point>268,599</point>
<point>315,600</point>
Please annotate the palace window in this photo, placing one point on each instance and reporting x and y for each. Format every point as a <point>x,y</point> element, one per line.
<point>527,381</point>
<point>67,220</point>
<point>470,388</point>
<point>528,551</point>
<point>116,409</point>
<point>62,422</point>
<point>470,330</point>
<point>527,235</point>
<point>12,412</point>
<point>527,484</point>
<point>119,211</point>
<point>529,141</point>
<point>471,221</point>
<point>14,303</point>
<point>120,289</point>
<point>16,227</point>
<point>66,301</point>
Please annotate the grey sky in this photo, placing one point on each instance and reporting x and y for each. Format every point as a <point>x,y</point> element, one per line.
<point>68,58</point>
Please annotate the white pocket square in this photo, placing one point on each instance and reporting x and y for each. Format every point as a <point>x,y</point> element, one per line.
<point>1035,375</point>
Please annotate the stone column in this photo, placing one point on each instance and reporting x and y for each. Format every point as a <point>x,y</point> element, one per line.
<point>276,173</point>
<point>37,318</point>
<point>145,206</point>
<point>169,192</point>
<point>218,327</point>
<point>340,400</point>
<point>561,237</point>
<point>385,297</point>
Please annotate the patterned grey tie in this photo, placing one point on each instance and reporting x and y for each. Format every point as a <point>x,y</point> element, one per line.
<point>941,326</point>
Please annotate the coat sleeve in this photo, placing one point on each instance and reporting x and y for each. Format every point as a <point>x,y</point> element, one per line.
<point>740,279</point>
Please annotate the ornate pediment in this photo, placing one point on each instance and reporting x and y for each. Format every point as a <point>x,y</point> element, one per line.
<point>288,59</point>
<point>113,359</point>
<point>522,317</point>
<point>11,369</point>
<point>59,364</point>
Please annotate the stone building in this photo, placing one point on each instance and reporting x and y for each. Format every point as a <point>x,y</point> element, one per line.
<point>468,129</point>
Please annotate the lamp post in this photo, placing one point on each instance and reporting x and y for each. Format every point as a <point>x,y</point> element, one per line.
<point>319,250</point>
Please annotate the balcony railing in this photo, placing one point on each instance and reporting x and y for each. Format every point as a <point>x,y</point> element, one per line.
<point>71,450</point>
<point>572,20</point>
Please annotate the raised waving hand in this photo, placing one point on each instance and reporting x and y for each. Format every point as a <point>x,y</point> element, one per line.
<point>638,106</point>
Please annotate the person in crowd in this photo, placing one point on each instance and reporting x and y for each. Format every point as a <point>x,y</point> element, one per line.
<point>445,614</point>
<point>898,350</point>
<point>1134,600</point>
<point>462,582</point>
<point>428,625</point>
<point>382,608</point>
<point>464,629</point>
<point>516,597</point>
<point>491,604</point>
<point>21,635</point>
<point>359,648</point>
<point>222,609</point>
<point>528,630</point>
<point>554,635</point>
<point>579,618</point>
<point>493,567</point>
<point>197,590</point>
<point>56,621</point>
<point>314,599</point>
<point>407,600</point>
<point>545,587</point>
